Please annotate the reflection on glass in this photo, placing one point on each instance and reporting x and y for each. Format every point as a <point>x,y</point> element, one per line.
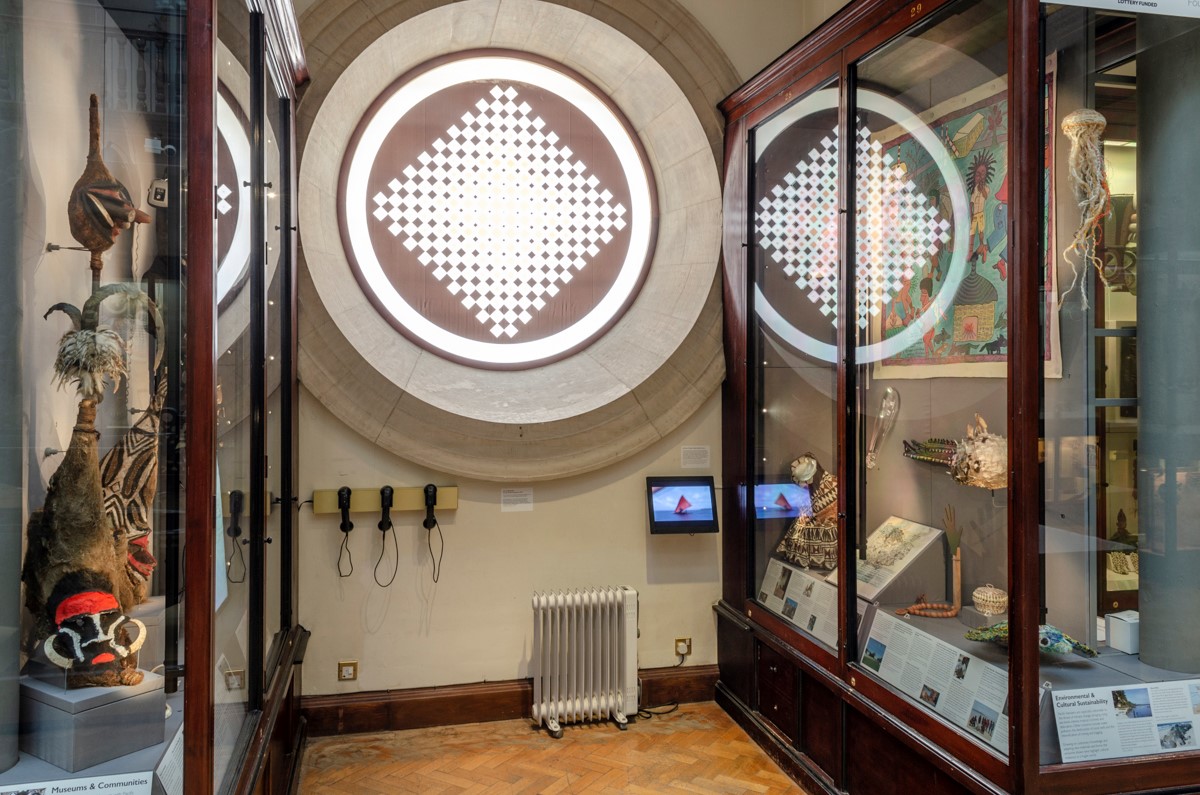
<point>91,346</point>
<point>795,263</point>
<point>231,620</point>
<point>931,268</point>
<point>274,175</point>
<point>1122,449</point>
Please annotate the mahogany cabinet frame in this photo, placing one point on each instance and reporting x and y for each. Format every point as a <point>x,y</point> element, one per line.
<point>265,765</point>
<point>828,52</point>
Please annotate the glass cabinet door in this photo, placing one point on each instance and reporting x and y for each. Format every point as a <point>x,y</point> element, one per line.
<point>794,334</point>
<point>276,391</point>
<point>93,142</point>
<point>254,178</point>
<point>1122,442</point>
<point>235,480</point>
<point>930,262</point>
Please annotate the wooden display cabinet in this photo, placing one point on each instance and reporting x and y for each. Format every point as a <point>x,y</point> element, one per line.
<point>867,338</point>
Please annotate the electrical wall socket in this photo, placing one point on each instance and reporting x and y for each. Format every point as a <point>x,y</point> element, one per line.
<point>683,646</point>
<point>235,680</point>
<point>347,670</point>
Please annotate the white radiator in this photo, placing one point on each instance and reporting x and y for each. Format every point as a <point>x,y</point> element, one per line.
<point>584,656</point>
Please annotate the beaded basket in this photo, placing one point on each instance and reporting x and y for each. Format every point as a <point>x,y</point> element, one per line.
<point>990,600</point>
<point>811,543</point>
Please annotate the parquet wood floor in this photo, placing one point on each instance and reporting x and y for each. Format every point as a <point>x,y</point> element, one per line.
<point>697,749</point>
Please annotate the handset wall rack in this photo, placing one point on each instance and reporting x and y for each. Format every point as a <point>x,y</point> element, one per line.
<point>365,499</point>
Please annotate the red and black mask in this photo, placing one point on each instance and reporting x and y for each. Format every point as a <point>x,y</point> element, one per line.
<point>92,630</point>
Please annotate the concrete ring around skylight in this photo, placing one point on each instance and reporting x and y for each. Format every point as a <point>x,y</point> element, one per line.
<point>482,373</point>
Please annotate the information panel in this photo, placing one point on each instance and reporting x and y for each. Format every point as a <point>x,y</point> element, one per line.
<point>122,784</point>
<point>1175,8</point>
<point>960,687</point>
<point>891,549</point>
<point>1108,722</point>
<point>807,601</point>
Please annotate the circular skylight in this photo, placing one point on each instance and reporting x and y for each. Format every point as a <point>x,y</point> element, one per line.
<point>497,210</point>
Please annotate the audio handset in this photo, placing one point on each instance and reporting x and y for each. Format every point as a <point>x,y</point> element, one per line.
<point>430,503</point>
<point>343,503</point>
<point>385,524</point>
<point>236,502</point>
<point>385,502</point>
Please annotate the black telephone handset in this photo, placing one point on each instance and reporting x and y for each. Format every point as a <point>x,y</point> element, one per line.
<point>344,507</point>
<point>385,501</point>
<point>236,502</point>
<point>430,502</point>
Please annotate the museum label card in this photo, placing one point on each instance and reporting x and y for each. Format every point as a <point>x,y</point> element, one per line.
<point>698,456</point>
<point>122,784</point>
<point>1130,720</point>
<point>1175,8</point>
<point>892,547</point>
<point>516,500</point>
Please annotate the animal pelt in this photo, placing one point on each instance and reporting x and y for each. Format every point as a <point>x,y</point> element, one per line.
<point>71,532</point>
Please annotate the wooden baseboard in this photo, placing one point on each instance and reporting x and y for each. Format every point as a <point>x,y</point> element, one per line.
<point>391,710</point>
<point>678,685</point>
<point>775,746</point>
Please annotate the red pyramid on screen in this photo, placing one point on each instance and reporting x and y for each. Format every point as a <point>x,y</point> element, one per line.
<point>782,502</point>
<point>682,505</point>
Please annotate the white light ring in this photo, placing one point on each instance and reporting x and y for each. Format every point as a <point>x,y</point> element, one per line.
<point>826,99</point>
<point>498,68</point>
<point>231,129</point>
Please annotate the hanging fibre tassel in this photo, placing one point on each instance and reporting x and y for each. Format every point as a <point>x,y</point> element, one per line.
<point>1086,162</point>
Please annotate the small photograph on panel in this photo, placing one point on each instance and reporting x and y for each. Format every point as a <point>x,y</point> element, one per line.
<point>983,720</point>
<point>1132,703</point>
<point>1179,734</point>
<point>785,577</point>
<point>789,608</point>
<point>873,656</point>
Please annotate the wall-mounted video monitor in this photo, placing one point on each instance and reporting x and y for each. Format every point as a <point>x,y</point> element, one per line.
<point>682,504</point>
<point>781,500</point>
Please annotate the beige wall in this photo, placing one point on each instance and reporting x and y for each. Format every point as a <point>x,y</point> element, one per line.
<point>755,32</point>
<point>751,32</point>
<point>475,624</point>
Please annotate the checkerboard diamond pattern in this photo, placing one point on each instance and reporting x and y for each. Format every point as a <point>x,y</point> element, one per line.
<point>223,194</point>
<point>897,231</point>
<point>502,210</point>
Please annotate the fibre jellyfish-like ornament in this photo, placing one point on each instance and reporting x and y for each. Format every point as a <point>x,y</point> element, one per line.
<point>1086,167</point>
<point>1051,640</point>
<point>981,459</point>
